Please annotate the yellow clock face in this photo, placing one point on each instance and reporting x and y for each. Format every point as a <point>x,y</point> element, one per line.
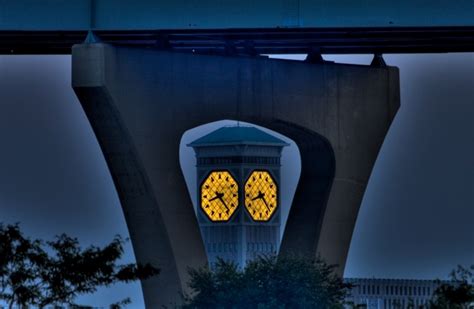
<point>261,195</point>
<point>219,196</point>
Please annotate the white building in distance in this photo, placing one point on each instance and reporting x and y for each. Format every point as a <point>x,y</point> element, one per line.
<point>390,293</point>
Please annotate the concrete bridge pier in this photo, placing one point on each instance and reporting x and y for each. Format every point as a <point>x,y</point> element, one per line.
<point>140,101</point>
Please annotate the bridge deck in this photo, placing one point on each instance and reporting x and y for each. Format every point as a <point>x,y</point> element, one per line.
<point>255,41</point>
<point>240,26</point>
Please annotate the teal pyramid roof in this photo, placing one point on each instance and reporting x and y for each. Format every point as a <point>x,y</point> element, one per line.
<point>237,135</point>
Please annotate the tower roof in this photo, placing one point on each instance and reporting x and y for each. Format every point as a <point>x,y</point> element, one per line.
<point>237,135</point>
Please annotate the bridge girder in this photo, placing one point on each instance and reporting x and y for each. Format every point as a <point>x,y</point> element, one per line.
<point>282,26</point>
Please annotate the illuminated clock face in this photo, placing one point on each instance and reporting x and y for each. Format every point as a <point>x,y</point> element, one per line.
<point>219,196</point>
<point>260,195</point>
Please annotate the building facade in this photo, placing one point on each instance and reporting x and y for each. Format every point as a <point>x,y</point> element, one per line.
<point>390,293</point>
<point>238,177</point>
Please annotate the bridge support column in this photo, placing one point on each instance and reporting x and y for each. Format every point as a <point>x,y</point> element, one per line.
<point>140,102</point>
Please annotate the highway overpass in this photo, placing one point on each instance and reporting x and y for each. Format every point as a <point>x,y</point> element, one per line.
<point>242,27</point>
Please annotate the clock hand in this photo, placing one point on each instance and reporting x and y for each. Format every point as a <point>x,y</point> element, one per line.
<point>218,196</point>
<point>265,201</point>
<point>260,195</point>
<point>225,205</point>
<point>214,198</point>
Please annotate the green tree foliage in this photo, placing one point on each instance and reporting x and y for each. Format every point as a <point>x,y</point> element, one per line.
<point>34,272</point>
<point>267,282</point>
<point>458,293</point>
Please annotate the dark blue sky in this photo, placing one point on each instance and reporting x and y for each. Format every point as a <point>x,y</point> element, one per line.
<point>415,220</point>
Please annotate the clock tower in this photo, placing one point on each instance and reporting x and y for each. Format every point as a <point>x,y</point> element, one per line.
<point>238,202</point>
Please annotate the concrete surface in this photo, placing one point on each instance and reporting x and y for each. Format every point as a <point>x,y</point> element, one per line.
<point>141,101</point>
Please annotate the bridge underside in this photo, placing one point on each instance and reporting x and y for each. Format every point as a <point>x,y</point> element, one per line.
<point>348,40</point>
<point>141,101</point>
<point>244,27</point>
